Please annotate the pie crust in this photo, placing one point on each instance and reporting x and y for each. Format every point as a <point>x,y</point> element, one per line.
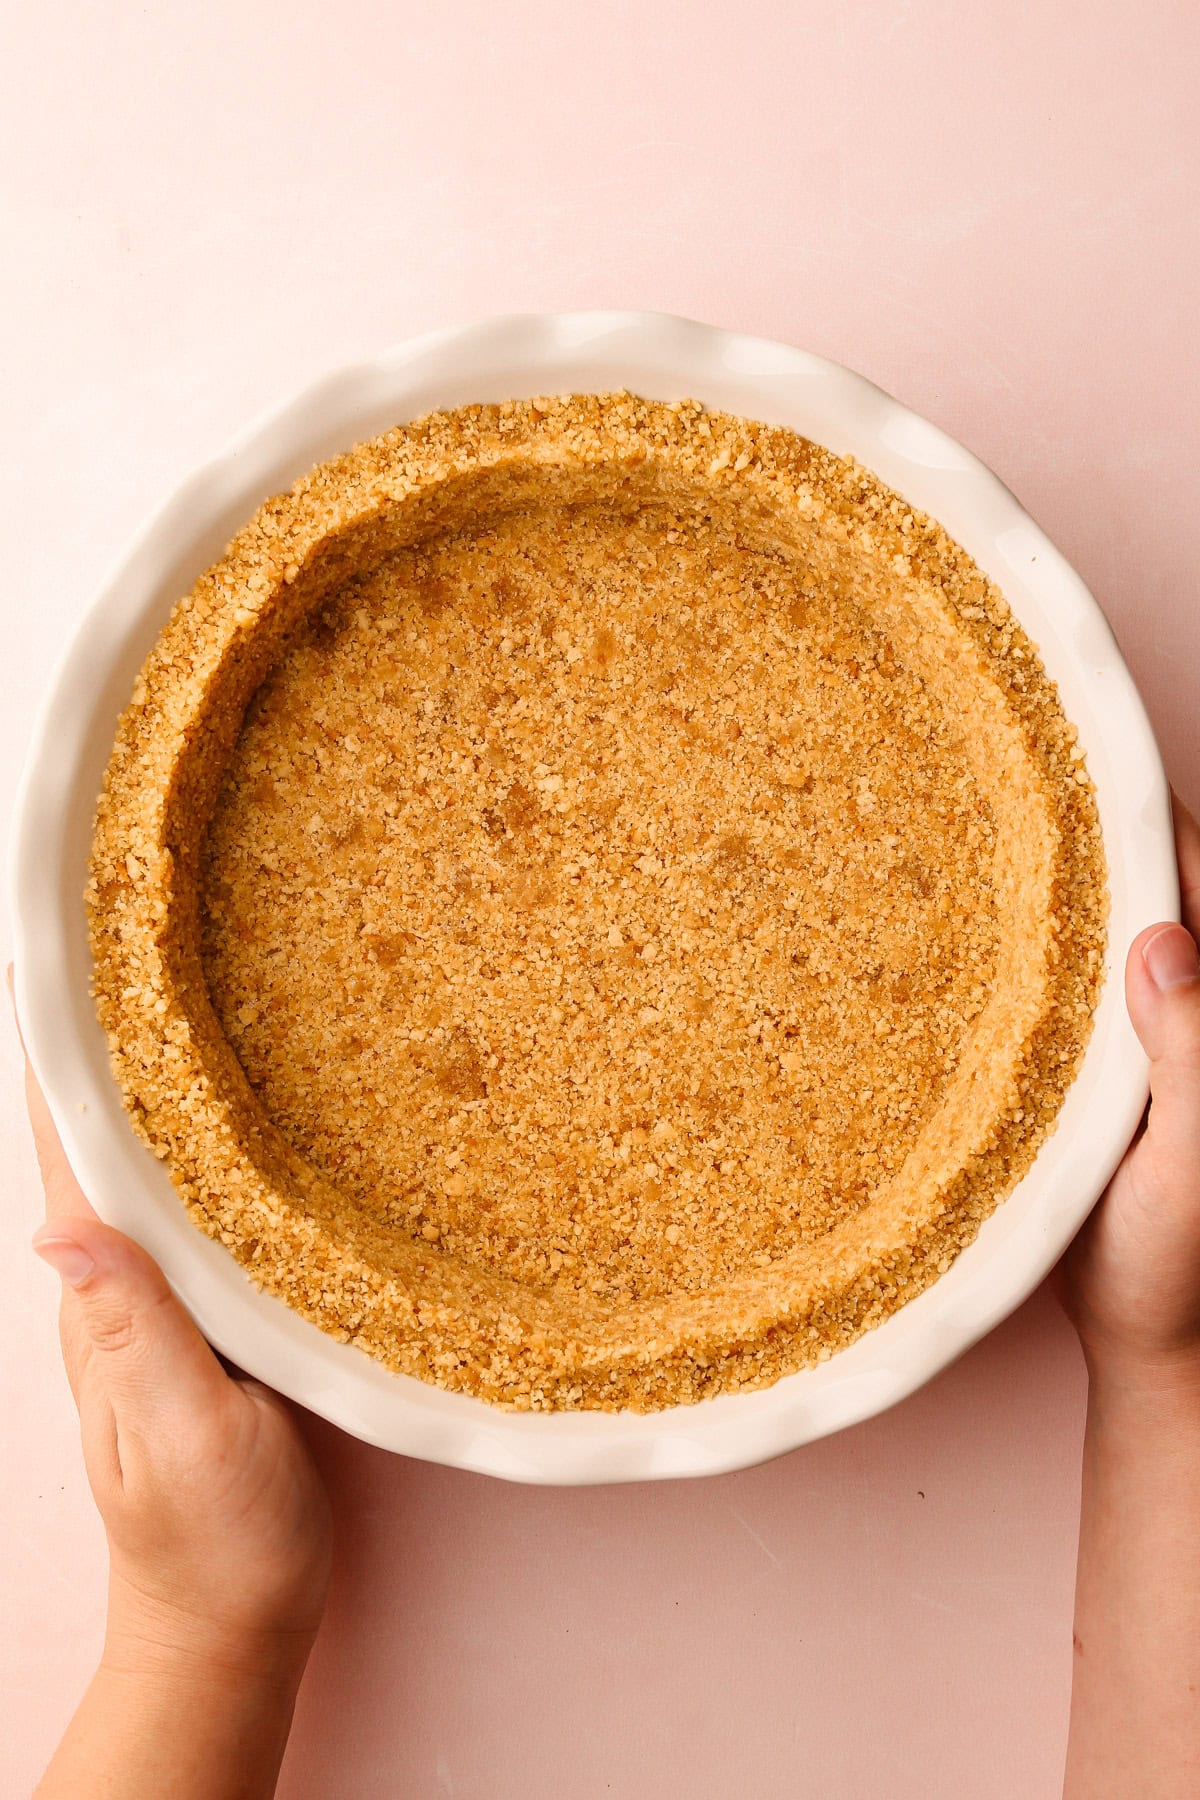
<point>595,901</point>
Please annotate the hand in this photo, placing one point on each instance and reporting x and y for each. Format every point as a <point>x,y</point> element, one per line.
<point>216,1517</point>
<point>1131,1280</point>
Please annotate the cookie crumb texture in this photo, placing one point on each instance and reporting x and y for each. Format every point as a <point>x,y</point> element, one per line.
<point>595,901</point>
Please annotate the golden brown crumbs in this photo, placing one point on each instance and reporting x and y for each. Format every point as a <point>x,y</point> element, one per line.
<point>595,902</point>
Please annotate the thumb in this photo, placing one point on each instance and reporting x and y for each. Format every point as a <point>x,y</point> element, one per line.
<point>147,1353</point>
<point>1162,987</point>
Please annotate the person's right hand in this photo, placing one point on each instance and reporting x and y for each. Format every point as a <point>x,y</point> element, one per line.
<point>1131,1280</point>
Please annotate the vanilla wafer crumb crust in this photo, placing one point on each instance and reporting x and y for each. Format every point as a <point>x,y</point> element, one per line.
<point>595,901</point>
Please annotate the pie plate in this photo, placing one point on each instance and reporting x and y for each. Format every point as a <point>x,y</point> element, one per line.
<point>520,357</point>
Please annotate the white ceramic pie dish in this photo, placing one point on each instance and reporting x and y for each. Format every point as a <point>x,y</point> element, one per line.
<point>665,358</point>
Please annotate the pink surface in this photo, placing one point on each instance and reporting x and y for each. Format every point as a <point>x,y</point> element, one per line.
<point>991,210</point>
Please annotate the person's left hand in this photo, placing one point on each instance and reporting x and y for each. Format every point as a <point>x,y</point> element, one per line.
<point>217,1520</point>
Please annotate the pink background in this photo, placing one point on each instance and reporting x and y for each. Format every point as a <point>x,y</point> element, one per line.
<point>990,209</point>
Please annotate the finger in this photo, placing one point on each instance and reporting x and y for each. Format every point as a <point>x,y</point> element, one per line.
<point>64,1196</point>
<point>1162,987</point>
<point>65,1199</point>
<point>149,1358</point>
<point>1187,851</point>
<point>73,1340</point>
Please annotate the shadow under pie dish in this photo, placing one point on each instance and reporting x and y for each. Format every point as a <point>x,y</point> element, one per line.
<point>595,901</point>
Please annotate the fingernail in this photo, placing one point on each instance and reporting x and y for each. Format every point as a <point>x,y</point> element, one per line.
<point>1172,958</point>
<point>66,1258</point>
